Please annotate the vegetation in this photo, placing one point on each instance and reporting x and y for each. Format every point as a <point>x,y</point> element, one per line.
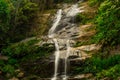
<point>81,18</point>
<point>107,23</point>
<point>101,67</point>
<point>20,19</point>
<point>4,19</point>
<point>16,17</point>
<point>21,53</point>
<point>95,2</point>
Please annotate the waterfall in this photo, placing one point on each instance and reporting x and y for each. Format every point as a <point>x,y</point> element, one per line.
<point>59,24</point>
<point>56,59</point>
<point>66,59</point>
<point>73,10</point>
<point>55,24</point>
<point>51,35</point>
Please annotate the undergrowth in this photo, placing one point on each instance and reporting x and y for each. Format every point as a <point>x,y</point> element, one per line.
<point>101,67</point>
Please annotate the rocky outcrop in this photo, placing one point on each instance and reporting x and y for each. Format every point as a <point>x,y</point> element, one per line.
<point>3,57</point>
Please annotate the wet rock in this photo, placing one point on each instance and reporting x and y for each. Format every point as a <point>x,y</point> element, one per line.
<point>91,47</point>
<point>14,78</point>
<point>3,57</point>
<point>73,35</point>
<point>83,76</point>
<point>33,77</point>
<point>8,75</point>
<point>107,78</point>
<point>18,70</point>
<point>73,57</point>
<point>84,27</point>
<point>20,75</point>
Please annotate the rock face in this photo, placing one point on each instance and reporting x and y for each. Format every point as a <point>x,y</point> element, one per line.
<point>3,58</point>
<point>67,29</point>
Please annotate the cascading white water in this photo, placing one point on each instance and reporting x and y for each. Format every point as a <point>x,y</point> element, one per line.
<point>57,54</point>
<point>55,24</point>
<point>66,59</point>
<point>74,10</point>
<point>70,13</point>
<point>51,35</point>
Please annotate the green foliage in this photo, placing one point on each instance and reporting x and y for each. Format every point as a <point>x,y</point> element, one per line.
<point>108,23</point>
<point>38,52</point>
<point>19,17</point>
<point>8,69</point>
<point>81,18</point>
<point>24,16</point>
<point>4,19</point>
<point>20,49</point>
<point>4,15</point>
<point>25,52</point>
<point>112,73</point>
<point>12,61</point>
<point>95,2</point>
<point>85,17</point>
<point>16,19</point>
<point>99,65</point>
<point>66,1</point>
<point>26,12</point>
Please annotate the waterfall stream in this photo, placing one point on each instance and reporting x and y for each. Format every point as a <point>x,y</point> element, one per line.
<point>73,10</point>
<point>55,24</point>
<point>57,33</point>
<point>57,54</point>
<point>51,35</point>
<point>66,59</point>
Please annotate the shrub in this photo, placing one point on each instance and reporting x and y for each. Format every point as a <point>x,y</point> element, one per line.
<point>95,2</point>
<point>25,52</point>
<point>98,64</point>
<point>112,73</point>
<point>4,20</point>
<point>23,17</point>
<point>21,49</point>
<point>108,23</point>
<point>8,69</point>
<point>81,18</point>
<point>15,19</point>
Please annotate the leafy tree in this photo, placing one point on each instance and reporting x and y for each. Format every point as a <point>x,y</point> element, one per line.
<point>108,23</point>
<point>16,18</point>
<point>4,19</point>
